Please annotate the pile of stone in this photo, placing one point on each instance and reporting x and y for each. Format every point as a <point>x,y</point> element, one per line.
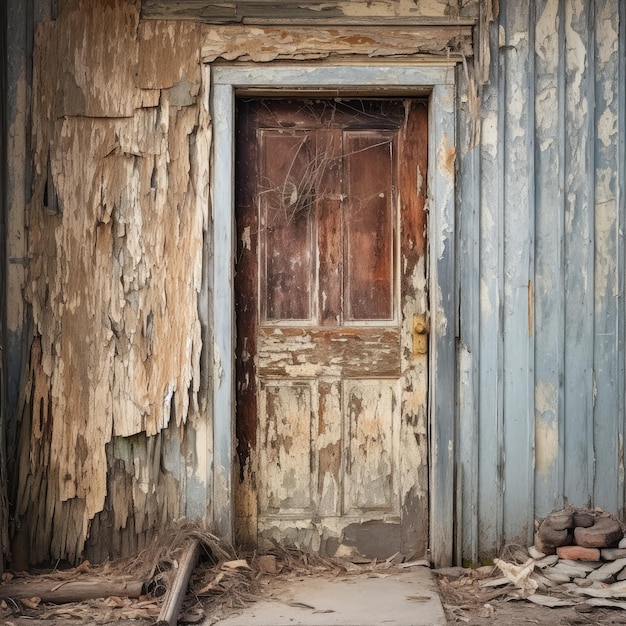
<point>578,534</point>
<point>579,557</point>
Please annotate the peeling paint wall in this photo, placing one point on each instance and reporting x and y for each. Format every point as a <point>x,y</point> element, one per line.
<point>541,274</point>
<point>116,229</point>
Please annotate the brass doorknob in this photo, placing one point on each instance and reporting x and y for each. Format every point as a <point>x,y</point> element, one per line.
<point>421,328</point>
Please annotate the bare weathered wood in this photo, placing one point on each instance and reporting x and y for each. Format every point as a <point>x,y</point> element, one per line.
<point>245,287</point>
<point>329,233</point>
<point>168,55</point>
<point>109,282</point>
<point>268,43</point>
<point>341,12</point>
<point>4,505</point>
<point>127,522</point>
<point>176,593</point>
<point>345,351</point>
<point>61,592</point>
<point>138,339</point>
<point>71,89</point>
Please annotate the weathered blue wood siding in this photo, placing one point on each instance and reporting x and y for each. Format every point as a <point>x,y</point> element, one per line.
<point>541,216</point>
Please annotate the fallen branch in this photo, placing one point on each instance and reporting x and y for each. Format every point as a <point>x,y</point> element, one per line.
<point>71,591</point>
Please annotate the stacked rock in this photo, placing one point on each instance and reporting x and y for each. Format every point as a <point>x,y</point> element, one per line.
<point>578,534</point>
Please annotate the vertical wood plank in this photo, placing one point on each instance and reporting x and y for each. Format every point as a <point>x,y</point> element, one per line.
<point>549,261</point>
<point>4,115</point>
<point>621,180</point>
<point>223,327</point>
<point>607,408</point>
<point>579,257</point>
<point>413,148</point>
<point>468,352</point>
<point>518,237</point>
<point>491,278</point>
<point>412,263</point>
<point>441,177</point>
<point>18,21</point>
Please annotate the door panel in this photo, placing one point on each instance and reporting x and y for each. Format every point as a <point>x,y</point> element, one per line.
<point>331,392</point>
<point>286,270</point>
<point>370,414</point>
<point>369,218</point>
<point>286,425</point>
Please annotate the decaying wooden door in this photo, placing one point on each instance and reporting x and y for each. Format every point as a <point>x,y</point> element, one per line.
<point>332,321</point>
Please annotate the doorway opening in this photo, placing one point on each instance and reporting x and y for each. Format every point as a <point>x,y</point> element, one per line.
<point>437,84</point>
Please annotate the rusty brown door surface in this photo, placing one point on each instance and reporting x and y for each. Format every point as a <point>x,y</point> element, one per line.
<point>332,321</point>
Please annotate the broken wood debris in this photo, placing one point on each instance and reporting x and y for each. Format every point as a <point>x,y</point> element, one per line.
<point>267,564</point>
<point>176,594</point>
<point>124,589</point>
<point>220,580</point>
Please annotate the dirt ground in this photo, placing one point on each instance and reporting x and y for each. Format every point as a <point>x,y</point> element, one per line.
<point>465,602</point>
<point>510,613</point>
<point>217,590</point>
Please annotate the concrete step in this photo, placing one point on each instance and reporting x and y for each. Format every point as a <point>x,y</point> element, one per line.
<point>407,598</point>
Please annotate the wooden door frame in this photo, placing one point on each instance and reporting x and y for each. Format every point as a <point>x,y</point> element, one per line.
<point>436,81</point>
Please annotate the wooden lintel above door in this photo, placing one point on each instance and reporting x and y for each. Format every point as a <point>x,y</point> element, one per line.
<point>384,12</point>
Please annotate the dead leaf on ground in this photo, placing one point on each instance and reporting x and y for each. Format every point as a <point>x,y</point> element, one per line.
<point>31,603</point>
<point>237,564</point>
